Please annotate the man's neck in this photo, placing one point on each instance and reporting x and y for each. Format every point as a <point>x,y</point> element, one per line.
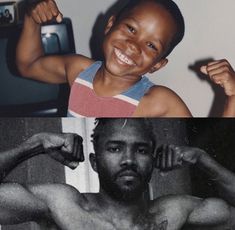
<point>129,210</point>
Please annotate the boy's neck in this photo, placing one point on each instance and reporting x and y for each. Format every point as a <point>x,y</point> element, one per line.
<point>107,84</point>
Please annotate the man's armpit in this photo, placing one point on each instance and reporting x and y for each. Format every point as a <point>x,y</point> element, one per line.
<point>163,225</point>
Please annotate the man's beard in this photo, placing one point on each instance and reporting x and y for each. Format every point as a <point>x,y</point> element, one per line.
<point>129,191</point>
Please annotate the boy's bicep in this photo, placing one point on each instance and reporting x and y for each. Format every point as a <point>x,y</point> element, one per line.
<point>18,204</point>
<point>49,69</point>
<point>59,68</point>
<point>211,211</point>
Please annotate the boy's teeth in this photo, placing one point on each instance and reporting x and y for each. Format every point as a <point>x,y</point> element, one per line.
<point>123,57</point>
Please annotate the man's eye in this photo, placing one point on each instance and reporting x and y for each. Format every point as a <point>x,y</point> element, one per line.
<point>142,151</point>
<point>114,149</point>
<point>130,29</point>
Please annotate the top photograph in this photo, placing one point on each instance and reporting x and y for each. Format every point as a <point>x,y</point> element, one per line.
<point>133,58</point>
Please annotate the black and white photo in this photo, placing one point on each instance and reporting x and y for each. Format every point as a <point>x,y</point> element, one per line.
<point>125,154</point>
<point>7,13</point>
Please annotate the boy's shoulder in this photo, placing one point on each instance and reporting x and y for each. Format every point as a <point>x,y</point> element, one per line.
<point>161,101</point>
<point>75,65</point>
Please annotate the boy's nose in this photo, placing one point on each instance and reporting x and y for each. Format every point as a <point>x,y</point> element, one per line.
<point>133,46</point>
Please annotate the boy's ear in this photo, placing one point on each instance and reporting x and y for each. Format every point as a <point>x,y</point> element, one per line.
<point>92,159</point>
<point>109,24</point>
<point>159,65</point>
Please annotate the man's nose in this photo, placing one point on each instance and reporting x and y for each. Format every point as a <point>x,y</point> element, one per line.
<point>128,158</point>
<point>133,46</point>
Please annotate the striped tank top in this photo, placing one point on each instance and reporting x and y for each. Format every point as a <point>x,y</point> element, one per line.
<point>83,101</point>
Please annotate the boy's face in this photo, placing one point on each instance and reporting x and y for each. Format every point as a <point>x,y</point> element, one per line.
<point>135,44</point>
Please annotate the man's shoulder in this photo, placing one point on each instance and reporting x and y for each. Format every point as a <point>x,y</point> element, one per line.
<point>52,192</point>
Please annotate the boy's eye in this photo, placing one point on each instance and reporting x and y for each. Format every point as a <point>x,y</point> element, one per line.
<point>130,29</point>
<point>152,46</point>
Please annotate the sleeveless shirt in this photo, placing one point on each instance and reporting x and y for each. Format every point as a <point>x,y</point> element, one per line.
<point>83,101</point>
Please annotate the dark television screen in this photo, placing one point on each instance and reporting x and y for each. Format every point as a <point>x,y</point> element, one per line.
<point>51,43</point>
<point>24,97</point>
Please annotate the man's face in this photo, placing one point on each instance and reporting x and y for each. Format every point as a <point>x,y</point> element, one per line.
<point>124,159</point>
<point>133,45</point>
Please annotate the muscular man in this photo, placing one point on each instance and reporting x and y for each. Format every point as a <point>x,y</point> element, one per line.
<point>171,157</point>
<point>124,158</point>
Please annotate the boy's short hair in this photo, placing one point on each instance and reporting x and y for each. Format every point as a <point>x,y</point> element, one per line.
<point>172,8</point>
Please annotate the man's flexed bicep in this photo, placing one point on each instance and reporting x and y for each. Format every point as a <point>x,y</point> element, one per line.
<point>208,212</point>
<point>186,210</point>
<point>38,203</point>
<point>18,204</point>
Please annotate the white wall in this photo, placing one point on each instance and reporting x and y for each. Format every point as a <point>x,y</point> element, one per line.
<point>83,177</point>
<point>209,33</point>
<point>83,14</point>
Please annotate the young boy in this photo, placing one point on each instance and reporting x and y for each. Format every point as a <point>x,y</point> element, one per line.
<point>135,43</point>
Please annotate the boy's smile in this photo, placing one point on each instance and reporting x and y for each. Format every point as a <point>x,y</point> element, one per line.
<point>136,43</point>
<point>123,58</point>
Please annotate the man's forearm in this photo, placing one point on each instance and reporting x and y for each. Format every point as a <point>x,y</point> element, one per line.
<point>29,47</point>
<point>11,158</point>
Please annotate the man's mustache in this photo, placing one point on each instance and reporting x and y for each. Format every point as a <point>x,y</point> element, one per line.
<point>128,171</point>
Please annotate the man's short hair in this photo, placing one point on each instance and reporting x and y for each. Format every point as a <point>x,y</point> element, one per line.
<point>174,11</point>
<point>100,127</point>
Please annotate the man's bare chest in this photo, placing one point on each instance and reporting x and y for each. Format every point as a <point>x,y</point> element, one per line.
<point>85,220</point>
<point>108,226</point>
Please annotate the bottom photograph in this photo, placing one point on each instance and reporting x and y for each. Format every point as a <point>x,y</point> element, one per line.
<point>117,174</point>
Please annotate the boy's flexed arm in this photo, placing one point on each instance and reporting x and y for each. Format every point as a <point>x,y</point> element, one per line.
<point>222,73</point>
<point>175,156</point>
<point>30,58</point>
<point>19,204</point>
